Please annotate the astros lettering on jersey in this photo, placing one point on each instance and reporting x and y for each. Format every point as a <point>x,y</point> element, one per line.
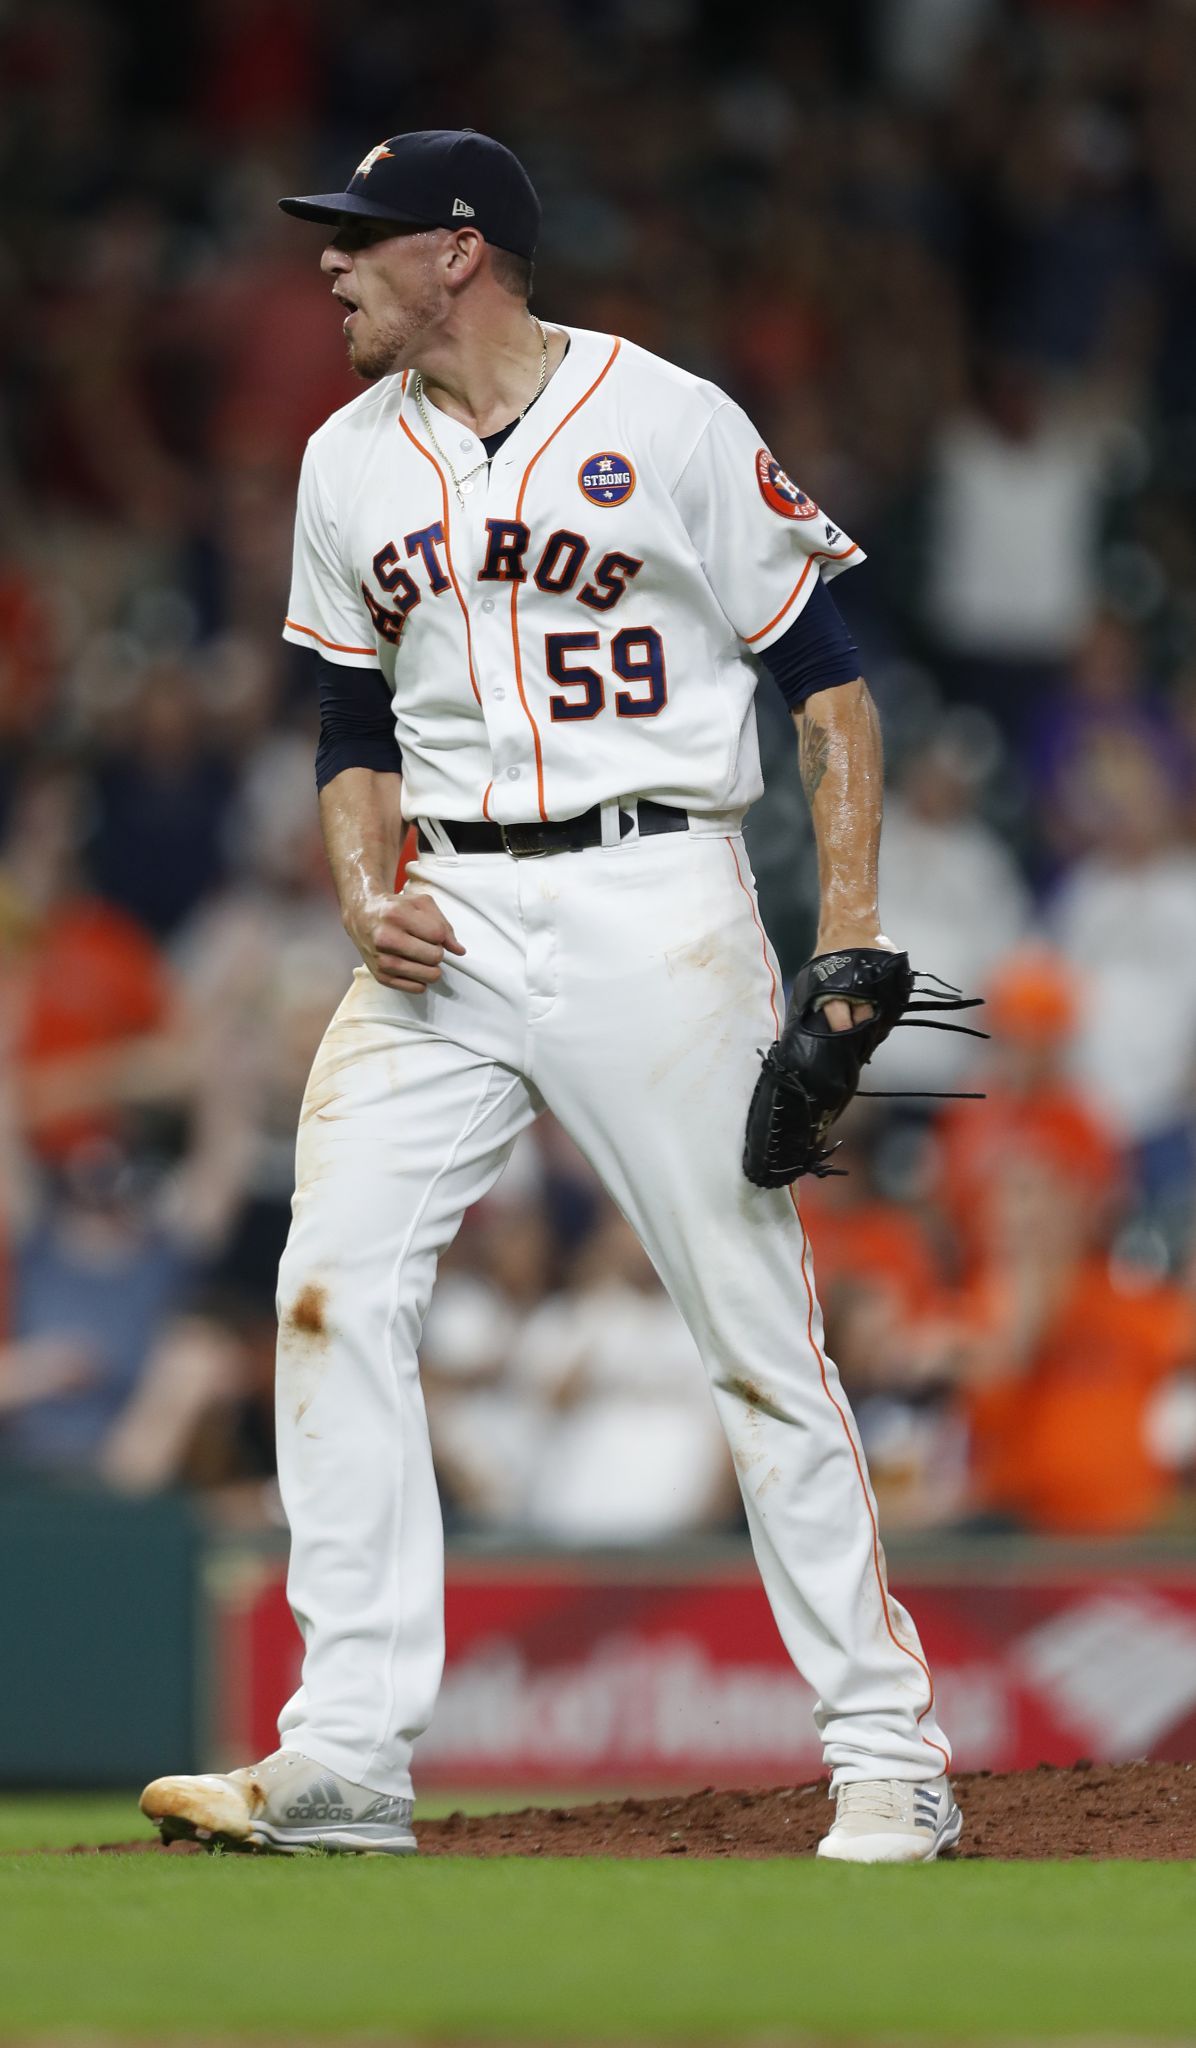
<point>581,627</point>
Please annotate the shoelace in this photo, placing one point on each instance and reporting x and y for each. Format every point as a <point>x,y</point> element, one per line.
<point>872,1799</point>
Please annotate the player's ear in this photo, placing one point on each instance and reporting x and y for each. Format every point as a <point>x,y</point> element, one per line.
<point>463,255</point>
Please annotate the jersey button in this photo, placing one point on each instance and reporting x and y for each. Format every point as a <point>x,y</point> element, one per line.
<point>500,694</point>
<point>487,604</point>
<point>466,446</point>
<point>513,774</point>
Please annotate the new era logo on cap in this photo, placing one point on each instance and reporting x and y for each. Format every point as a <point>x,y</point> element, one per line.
<point>461,211</point>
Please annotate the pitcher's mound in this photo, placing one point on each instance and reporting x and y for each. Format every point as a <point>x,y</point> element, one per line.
<point>1143,1811</point>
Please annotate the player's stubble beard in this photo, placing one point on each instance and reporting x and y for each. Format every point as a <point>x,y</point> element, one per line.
<point>390,341</point>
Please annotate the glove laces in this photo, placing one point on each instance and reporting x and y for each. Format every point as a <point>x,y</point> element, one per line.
<point>943,996</point>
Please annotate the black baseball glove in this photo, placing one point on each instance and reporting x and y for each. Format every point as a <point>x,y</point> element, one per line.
<point>810,1075</point>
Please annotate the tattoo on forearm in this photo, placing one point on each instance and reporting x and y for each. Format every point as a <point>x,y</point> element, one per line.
<point>813,755</point>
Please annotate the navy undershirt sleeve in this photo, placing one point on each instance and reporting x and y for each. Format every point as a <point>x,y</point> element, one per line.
<point>816,653</point>
<point>357,727</point>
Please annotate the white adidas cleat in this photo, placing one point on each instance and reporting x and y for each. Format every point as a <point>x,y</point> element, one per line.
<point>281,1806</point>
<point>884,1820</point>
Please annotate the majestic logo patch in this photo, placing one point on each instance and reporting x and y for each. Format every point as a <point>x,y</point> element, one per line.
<point>367,162</point>
<point>779,493</point>
<point>606,478</point>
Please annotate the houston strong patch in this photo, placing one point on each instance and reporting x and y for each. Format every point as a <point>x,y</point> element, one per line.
<point>606,478</point>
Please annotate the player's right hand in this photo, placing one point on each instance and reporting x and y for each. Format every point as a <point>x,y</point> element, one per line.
<point>403,940</point>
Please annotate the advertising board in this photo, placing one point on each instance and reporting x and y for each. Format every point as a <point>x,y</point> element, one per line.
<point>591,1673</point>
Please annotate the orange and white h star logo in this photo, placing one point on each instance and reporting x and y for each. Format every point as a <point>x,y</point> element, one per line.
<point>367,162</point>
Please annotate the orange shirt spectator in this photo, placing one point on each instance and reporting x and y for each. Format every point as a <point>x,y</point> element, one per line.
<point>869,1240</point>
<point>1061,1442</point>
<point>91,982</point>
<point>1050,1122</point>
<point>1031,1111</point>
<point>83,986</point>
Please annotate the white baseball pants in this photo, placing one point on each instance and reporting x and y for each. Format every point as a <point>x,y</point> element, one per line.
<point>628,989</point>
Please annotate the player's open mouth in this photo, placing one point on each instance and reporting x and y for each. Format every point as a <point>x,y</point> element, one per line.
<point>345,300</point>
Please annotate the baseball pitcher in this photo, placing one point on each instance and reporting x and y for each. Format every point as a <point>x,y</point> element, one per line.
<point>540,573</point>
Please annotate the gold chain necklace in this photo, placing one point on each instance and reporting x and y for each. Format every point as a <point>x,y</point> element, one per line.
<point>464,484</point>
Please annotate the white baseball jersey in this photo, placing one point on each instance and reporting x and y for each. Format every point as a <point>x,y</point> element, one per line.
<point>583,627</point>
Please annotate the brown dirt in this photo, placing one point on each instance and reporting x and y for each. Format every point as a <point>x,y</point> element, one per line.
<point>307,1312</point>
<point>1143,1811</point>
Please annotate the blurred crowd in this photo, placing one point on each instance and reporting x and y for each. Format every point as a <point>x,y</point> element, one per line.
<point>945,253</point>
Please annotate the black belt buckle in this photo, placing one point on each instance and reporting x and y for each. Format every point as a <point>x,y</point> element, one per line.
<point>523,842</point>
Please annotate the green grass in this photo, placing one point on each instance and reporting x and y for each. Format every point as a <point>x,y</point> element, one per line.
<point>63,1820</point>
<point>550,1951</point>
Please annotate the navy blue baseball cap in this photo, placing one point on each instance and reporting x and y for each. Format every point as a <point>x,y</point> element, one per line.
<point>437,178</point>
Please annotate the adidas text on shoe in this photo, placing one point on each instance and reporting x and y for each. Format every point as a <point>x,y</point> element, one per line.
<point>884,1820</point>
<point>281,1806</point>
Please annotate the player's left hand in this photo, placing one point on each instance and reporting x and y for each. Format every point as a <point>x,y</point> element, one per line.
<point>810,1074</point>
<point>834,939</point>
